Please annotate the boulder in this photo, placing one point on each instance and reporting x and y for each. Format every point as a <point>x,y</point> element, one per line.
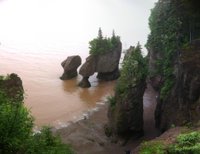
<point>70,66</point>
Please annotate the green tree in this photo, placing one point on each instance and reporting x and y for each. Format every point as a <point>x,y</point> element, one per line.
<point>15,125</point>
<point>101,45</point>
<point>173,23</point>
<point>100,35</point>
<point>134,69</point>
<point>16,130</point>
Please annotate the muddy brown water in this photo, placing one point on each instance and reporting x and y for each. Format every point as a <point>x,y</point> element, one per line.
<point>87,136</point>
<point>56,103</point>
<point>52,101</point>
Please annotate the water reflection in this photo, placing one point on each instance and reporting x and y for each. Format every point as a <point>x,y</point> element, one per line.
<point>49,98</point>
<point>97,91</point>
<point>70,86</point>
<point>95,94</point>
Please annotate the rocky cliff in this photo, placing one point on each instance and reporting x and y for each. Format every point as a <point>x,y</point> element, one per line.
<point>182,105</point>
<point>126,107</point>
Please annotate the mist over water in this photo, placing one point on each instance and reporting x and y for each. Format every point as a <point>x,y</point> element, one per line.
<point>70,25</point>
<point>37,35</point>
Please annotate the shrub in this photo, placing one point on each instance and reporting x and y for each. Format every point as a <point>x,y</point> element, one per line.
<point>46,143</point>
<point>111,100</point>
<point>152,148</point>
<point>16,135</point>
<point>15,124</point>
<point>186,144</point>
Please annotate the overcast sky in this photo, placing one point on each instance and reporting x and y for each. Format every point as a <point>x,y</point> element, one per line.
<point>73,21</point>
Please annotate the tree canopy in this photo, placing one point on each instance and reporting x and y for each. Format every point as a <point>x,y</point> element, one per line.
<point>16,130</point>
<point>101,45</point>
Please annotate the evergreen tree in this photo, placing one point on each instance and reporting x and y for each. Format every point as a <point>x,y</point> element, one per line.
<point>100,35</point>
<point>101,45</point>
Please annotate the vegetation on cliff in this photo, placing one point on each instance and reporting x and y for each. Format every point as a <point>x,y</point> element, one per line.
<point>126,106</point>
<point>101,45</point>
<point>16,126</point>
<point>185,143</point>
<point>134,69</point>
<point>172,24</point>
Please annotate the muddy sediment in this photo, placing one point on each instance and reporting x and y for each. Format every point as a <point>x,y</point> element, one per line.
<point>87,135</point>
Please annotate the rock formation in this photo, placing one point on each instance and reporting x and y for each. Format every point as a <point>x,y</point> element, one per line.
<point>154,78</point>
<point>70,66</point>
<point>127,116</point>
<point>11,85</point>
<point>126,107</point>
<point>106,65</point>
<point>182,105</point>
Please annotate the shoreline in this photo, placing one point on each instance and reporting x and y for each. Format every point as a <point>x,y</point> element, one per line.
<point>88,133</point>
<point>86,136</point>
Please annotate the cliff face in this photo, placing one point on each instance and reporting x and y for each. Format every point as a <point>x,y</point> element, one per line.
<point>125,112</point>
<point>154,78</point>
<point>126,118</point>
<point>182,105</point>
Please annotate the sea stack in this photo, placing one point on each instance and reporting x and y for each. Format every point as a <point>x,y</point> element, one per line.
<point>106,65</point>
<point>70,66</point>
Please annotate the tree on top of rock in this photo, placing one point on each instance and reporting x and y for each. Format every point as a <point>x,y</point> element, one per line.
<point>100,35</point>
<point>134,70</point>
<point>115,40</point>
<point>101,45</point>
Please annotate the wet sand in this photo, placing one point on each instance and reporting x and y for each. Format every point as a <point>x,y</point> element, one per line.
<point>87,135</point>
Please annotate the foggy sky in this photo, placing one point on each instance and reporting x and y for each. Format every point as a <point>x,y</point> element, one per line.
<point>73,22</point>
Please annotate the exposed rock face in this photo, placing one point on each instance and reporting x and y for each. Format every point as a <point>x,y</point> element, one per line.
<point>108,62</point>
<point>89,67</point>
<point>70,66</point>
<point>106,65</point>
<point>127,116</point>
<point>155,79</point>
<point>183,103</point>
<point>12,86</point>
<point>125,112</point>
<point>109,75</point>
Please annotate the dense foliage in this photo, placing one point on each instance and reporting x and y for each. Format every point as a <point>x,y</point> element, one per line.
<point>46,143</point>
<point>173,23</point>
<point>101,45</point>
<point>188,143</point>
<point>15,125</point>
<point>134,70</point>
<point>152,148</point>
<point>16,135</point>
